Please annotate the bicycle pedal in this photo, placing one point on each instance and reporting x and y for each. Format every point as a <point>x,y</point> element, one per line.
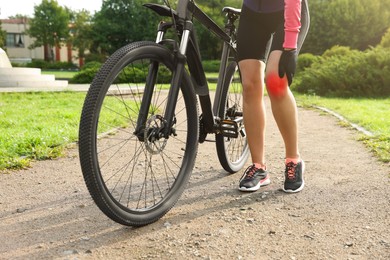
<point>229,128</point>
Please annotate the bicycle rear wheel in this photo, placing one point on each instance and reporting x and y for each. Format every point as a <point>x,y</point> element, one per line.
<point>135,174</point>
<point>232,152</point>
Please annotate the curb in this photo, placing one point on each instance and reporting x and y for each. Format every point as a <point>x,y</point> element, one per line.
<point>341,118</point>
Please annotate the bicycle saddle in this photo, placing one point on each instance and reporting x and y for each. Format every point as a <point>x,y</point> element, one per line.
<point>231,10</point>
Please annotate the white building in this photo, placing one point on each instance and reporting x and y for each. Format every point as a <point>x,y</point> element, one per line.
<point>17,43</point>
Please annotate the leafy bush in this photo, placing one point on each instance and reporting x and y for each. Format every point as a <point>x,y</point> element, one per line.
<point>136,75</point>
<point>358,74</point>
<point>85,76</point>
<point>164,75</point>
<point>305,60</point>
<point>385,42</point>
<point>338,51</point>
<point>92,64</point>
<point>91,57</point>
<point>133,75</point>
<point>127,75</point>
<point>57,65</point>
<point>61,65</point>
<point>87,73</point>
<point>37,64</point>
<point>211,65</point>
<point>130,75</point>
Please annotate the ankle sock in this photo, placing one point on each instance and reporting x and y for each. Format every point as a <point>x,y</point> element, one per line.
<point>260,166</point>
<point>294,160</point>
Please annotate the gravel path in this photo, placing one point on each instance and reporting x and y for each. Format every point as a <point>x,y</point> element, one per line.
<point>343,212</point>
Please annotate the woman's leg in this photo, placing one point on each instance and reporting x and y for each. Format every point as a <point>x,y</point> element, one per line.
<point>284,109</point>
<point>252,76</point>
<point>283,105</point>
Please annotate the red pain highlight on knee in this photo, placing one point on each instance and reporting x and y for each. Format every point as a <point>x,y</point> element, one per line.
<point>276,86</point>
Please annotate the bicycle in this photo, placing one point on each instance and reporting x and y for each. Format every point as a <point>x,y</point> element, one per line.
<point>140,127</point>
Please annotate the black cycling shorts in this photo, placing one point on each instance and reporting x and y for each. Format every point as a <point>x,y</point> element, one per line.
<point>261,33</point>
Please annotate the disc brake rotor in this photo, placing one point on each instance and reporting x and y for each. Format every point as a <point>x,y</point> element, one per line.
<point>153,136</point>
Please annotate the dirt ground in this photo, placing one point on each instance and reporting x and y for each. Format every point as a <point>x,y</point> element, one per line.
<point>343,212</point>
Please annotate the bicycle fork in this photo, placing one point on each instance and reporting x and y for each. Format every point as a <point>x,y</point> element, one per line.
<point>168,118</point>
<point>180,59</point>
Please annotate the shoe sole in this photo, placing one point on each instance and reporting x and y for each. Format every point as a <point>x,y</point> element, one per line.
<point>303,181</point>
<point>297,190</point>
<point>263,182</point>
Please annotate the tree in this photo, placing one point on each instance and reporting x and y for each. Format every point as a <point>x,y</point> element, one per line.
<point>3,37</point>
<point>209,44</point>
<point>49,26</point>
<point>120,22</point>
<point>80,33</point>
<point>355,23</point>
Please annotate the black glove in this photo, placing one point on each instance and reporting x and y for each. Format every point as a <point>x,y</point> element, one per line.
<point>288,64</point>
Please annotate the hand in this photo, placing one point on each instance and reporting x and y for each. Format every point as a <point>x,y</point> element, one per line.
<point>288,64</point>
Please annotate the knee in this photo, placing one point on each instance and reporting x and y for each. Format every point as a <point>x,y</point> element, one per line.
<point>252,87</point>
<point>276,86</point>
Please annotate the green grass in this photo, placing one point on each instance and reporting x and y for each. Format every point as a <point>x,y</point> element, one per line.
<point>40,125</point>
<point>371,114</point>
<point>60,74</point>
<point>212,75</point>
<point>37,126</point>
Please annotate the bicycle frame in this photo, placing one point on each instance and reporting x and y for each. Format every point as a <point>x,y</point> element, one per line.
<point>188,52</point>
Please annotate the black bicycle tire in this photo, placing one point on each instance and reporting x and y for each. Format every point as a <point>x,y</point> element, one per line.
<point>88,135</point>
<point>223,155</point>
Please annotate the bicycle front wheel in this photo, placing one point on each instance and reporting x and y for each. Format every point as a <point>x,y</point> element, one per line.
<point>134,173</point>
<point>232,152</point>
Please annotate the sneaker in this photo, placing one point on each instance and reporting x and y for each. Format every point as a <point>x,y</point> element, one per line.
<point>253,178</point>
<point>294,177</point>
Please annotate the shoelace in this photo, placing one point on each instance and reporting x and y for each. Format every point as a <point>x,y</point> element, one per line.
<point>290,170</point>
<point>250,171</point>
